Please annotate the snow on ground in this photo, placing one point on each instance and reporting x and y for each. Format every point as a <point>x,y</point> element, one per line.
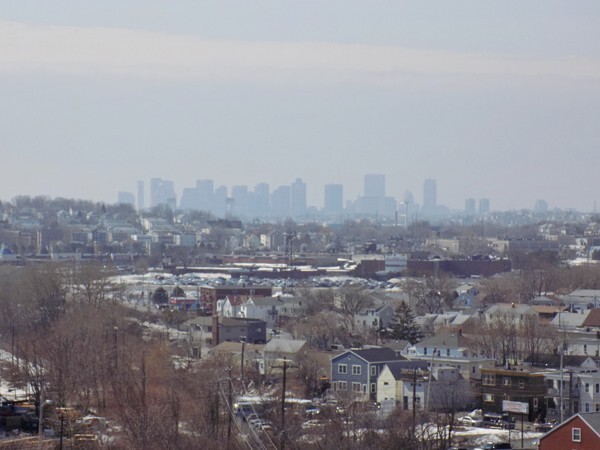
<point>7,389</point>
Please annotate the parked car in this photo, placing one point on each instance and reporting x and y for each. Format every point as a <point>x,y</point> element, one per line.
<point>495,420</point>
<point>470,421</point>
<point>495,446</point>
<point>313,423</point>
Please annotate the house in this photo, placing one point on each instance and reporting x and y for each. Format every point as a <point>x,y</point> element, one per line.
<point>498,384</point>
<point>450,349</point>
<point>263,308</point>
<point>355,372</point>
<point>592,321</point>
<point>516,311</point>
<point>235,329</point>
<point>391,383</point>
<point>377,316</point>
<point>579,432</point>
<point>277,349</point>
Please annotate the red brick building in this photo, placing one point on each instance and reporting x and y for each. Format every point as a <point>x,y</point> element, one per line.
<point>579,432</point>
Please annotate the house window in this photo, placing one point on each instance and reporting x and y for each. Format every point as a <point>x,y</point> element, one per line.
<point>597,407</point>
<point>488,398</point>
<point>447,352</point>
<point>342,385</point>
<point>373,388</point>
<point>535,402</point>
<point>521,383</point>
<point>597,388</point>
<point>576,434</point>
<point>587,387</point>
<point>425,350</point>
<point>355,370</point>
<point>385,383</point>
<point>356,387</point>
<point>342,368</point>
<point>506,381</point>
<point>373,371</point>
<point>473,369</point>
<point>489,379</point>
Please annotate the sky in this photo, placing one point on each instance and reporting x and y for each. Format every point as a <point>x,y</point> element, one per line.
<point>496,99</point>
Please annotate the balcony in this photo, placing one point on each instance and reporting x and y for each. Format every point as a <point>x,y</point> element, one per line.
<point>553,392</point>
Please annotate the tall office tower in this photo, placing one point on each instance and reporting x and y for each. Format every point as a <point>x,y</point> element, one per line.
<point>219,201</point>
<point>261,199</point>
<point>280,201</point>
<point>140,195</point>
<point>484,206</point>
<point>126,198</point>
<point>298,198</point>
<point>470,207</point>
<point>374,185</point>
<point>334,198</point>
<point>239,194</point>
<point>162,192</point>
<point>541,206</point>
<point>205,191</point>
<point>429,197</point>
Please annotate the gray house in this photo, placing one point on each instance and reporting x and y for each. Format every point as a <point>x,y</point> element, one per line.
<point>354,373</point>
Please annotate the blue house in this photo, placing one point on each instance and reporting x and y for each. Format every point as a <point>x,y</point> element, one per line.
<point>355,372</point>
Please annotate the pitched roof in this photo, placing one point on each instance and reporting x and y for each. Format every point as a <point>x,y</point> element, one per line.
<point>593,318</point>
<point>553,361</point>
<point>374,355</point>
<point>591,419</point>
<point>397,367</point>
<point>454,340</point>
<point>281,345</point>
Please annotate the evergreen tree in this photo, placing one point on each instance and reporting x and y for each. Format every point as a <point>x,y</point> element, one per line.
<point>404,326</point>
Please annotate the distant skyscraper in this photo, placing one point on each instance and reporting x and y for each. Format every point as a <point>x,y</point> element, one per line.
<point>140,195</point>
<point>484,206</point>
<point>334,198</point>
<point>126,198</point>
<point>470,207</point>
<point>240,198</point>
<point>280,201</point>
<point>541,206</point>
<point>261,199</point>
<point>298,198</point>
<point>374,185</point>
<point>429,197</point>
<point>162,192</point>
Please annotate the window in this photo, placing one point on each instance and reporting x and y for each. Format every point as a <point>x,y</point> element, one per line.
<point>521,383</point>
<point>342,385</point>
<point>356,387</point>
<point>587,387</point>
<point>447,352</point>
<point>342,368</point>
<point>535,402</point>
<point>489,379</point>
<point>587,407</point>
<point>597,407</point>
<point>488,398</point>
<point>473,369</point>
<point>355,370</point>
<point>597,388</point>
<point>576,434</point>
<point>506,381</point>
<point>373,388</point>
<point>385,383</point>
<point>373,371</point>
<point>425,350</point>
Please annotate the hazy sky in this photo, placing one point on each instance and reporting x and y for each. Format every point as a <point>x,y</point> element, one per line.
<point>497,99</point>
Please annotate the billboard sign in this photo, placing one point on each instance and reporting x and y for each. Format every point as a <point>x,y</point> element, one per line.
<point>515,407</point>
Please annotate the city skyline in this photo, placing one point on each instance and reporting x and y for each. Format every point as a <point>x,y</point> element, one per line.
<point>493,100</point>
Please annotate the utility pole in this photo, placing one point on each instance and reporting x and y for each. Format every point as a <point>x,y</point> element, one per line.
<point>230,400</point>
<point>414,404</point>
<point>282,445</point>
<point>242,368</point>
<point>41,415</point>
